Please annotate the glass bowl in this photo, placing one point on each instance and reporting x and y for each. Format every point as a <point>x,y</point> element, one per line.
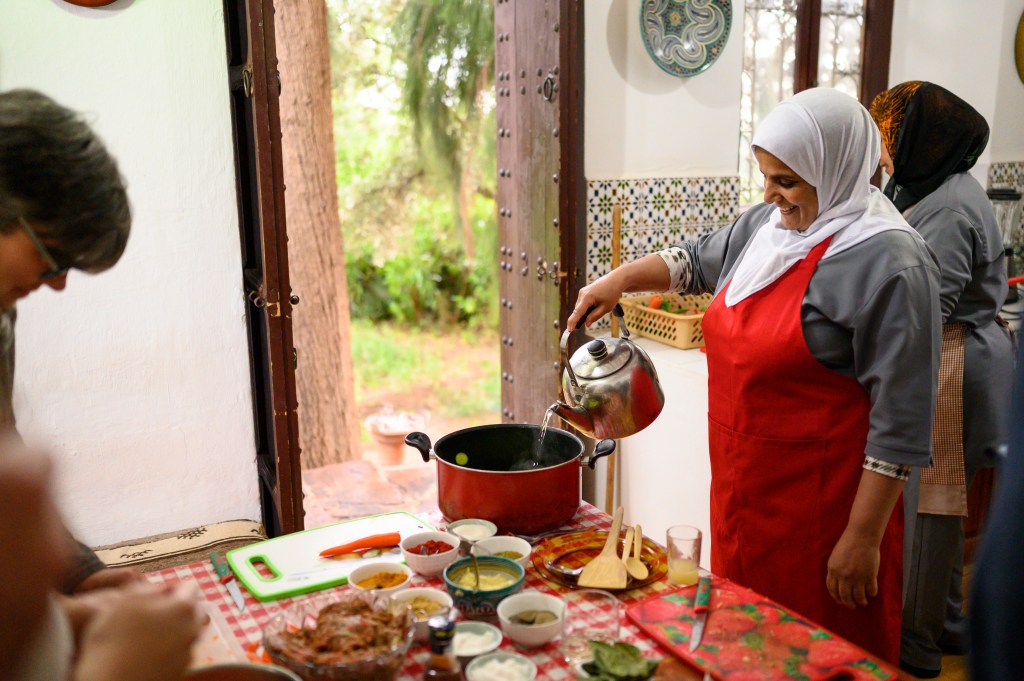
<point>334,647</point>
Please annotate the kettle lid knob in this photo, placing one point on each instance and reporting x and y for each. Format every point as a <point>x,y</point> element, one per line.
<point>597,349</point>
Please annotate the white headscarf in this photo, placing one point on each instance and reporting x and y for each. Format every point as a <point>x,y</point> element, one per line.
<point>829,140</point>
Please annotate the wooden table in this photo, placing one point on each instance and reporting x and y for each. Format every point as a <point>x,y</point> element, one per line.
<point>239,630</point>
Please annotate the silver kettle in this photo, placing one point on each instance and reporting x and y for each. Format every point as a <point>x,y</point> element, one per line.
<point>610,387</point>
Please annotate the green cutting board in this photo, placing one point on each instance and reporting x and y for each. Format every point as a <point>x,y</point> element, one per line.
<point>291,565</point>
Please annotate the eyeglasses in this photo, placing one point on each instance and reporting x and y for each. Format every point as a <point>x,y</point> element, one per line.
<point>54,270</point>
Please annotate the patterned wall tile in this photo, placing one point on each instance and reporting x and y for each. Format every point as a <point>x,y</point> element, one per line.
<point>1011,173</point>
<point>656,213</point>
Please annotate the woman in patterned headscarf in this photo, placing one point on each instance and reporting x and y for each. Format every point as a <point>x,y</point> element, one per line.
<point>930,139</point>
<point>822,342</point>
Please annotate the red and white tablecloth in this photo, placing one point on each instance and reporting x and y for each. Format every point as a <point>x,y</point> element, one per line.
<point>246,627</point>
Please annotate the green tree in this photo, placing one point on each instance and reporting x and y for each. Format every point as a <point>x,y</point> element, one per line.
<point>448,50</point>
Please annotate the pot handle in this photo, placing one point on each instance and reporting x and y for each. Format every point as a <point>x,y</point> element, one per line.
<point>603,448</point>
<point>421,442</point>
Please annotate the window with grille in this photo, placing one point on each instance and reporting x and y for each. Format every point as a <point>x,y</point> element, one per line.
<point>791,45</point>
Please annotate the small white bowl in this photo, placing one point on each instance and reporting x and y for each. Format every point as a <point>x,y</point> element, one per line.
<point>496,545</point>
<point>433,564</point>
<point>481,529</point>
<point>436,595</point>
<point>527,665</point>
<point>365,571</point>
<point>531,635</point>
<point>475,629</point>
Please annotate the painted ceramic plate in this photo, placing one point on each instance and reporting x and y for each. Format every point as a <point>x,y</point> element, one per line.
<point>555,556</point>
<point>684,37</point>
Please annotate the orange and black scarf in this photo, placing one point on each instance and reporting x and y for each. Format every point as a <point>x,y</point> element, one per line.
<point>930,133</point>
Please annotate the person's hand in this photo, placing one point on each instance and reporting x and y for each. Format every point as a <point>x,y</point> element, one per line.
<point>601,295</point>
<point>853,570</point>
<point>110,578</point>
<point>35,553</point>
<point>142,633</point>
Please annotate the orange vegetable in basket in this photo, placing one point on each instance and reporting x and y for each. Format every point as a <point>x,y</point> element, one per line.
<point>655,301</point>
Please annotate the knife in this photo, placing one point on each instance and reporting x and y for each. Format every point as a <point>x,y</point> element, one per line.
<point>700,611</point>
<point>220,565</point>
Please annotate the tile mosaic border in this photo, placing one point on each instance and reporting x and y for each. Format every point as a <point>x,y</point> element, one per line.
<point>1007,172</point>
<point>656,213</point>
<point>1011,173</point>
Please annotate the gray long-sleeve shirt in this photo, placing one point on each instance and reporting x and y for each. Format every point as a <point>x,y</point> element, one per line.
<point>870,312</point>
<point>959,225</point>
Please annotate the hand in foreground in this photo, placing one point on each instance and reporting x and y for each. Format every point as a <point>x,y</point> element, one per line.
<point>853,570</point>
<point>145,633</point>
<point>110,578</point>
<point>34,552</point>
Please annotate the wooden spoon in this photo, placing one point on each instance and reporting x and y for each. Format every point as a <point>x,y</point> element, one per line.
<point>627,547</point>
<point>634,565</point>
<point>606,570</point>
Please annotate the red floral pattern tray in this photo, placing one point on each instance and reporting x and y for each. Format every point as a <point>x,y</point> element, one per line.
<point>751,638</point>
<point>576,549</point>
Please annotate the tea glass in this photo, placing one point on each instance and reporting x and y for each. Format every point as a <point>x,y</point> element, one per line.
<point>683,545</point>
<point>590,615</point>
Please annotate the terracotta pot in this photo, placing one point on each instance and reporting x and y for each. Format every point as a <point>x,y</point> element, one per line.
<point>492,478</point>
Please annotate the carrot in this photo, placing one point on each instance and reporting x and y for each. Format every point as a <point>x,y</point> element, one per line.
<point>655,301</point>
<point>375,541</point>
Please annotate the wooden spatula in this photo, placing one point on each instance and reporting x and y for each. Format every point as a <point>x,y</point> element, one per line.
<point>606,570</point>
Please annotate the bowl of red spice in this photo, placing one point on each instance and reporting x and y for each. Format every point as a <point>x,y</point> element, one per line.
<point>429,553</point>
<point>351,636</point>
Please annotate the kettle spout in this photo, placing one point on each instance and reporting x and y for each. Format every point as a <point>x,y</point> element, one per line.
<point>577,417</point>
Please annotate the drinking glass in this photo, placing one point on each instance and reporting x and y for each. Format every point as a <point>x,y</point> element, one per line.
<point>590,615</point>
<point>683,545</point>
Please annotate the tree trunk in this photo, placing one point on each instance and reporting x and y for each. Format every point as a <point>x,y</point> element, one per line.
<point>328,421</point>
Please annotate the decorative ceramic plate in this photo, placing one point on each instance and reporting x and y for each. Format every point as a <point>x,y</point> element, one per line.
<point>555,556</point>
<point>684,37</point>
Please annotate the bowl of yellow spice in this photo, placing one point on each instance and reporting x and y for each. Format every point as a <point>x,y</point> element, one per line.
<point>380,578</point>
<point>512,548</point>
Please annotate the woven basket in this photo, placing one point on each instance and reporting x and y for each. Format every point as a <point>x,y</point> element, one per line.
<point>678,330</point>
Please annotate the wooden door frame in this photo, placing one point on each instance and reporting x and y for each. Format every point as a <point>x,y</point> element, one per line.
<point>254,86</point>
<point>572,192</point>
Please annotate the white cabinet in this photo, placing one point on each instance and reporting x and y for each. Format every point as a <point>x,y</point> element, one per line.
<point>664,470</point>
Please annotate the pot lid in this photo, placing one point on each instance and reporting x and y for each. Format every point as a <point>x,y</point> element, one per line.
<point>601,357</point>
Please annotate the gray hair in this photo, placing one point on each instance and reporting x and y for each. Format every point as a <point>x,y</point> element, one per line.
<point>57,174</point>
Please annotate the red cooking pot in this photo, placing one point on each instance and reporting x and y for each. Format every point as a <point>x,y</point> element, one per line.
<point>501,473</point>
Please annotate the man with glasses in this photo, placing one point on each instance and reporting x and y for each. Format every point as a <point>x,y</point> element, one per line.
<point>63,205</point>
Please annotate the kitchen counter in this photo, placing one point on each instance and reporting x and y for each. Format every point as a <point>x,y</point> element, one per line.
<point>664,470</point>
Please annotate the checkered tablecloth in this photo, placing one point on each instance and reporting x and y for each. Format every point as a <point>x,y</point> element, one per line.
<point>247,626</point>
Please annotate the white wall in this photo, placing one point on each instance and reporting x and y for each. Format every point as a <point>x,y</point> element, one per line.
<point>643,122</point>
<point>138,377</point>
<point>970,52</point>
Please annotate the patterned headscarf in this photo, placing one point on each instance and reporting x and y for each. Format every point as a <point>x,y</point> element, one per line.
<point>887,109</point>
<point>936,134</point>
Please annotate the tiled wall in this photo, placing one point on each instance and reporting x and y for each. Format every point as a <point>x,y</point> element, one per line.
<point>656,213</point>
<point>1011,173</point>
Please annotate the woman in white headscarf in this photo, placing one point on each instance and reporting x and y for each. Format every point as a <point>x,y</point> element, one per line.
<point>823,342</point>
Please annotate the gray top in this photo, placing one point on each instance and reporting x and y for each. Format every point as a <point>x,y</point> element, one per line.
<point>84,561</point>
<point>959,225</point>
<point>870,312</point>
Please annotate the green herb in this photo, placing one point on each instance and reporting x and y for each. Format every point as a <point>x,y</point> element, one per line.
<point>618,662</point>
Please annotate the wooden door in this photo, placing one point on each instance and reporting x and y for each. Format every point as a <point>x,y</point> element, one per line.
<point>541,220</point>
<point>254,86</point>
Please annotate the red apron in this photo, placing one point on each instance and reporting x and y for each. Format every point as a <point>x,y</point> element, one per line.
<point>787,438</point>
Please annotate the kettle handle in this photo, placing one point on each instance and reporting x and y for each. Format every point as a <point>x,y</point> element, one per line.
<point>563,345</point>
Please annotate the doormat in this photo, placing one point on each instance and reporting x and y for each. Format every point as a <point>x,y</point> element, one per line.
<point>182,547</point>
